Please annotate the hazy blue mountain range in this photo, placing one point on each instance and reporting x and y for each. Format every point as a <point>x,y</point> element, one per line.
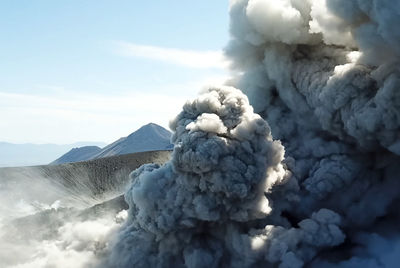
<point>150,137</point>
<point>35,154</point>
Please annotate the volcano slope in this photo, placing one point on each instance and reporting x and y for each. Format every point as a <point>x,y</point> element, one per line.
<point>64,215</point>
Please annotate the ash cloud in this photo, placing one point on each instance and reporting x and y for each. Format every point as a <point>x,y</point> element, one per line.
<point>325,75</point>
<point>205,206</point>
<point>315,186</point>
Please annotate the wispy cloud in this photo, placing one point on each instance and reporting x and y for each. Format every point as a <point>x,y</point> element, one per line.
<point>189,58</point>
<point>74,116</point>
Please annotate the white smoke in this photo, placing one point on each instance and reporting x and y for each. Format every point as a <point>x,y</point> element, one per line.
<point>57,239</point>
<point>42,223</point>
<point>325,75</point>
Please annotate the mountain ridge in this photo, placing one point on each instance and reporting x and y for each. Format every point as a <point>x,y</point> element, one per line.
<point>77,154</point>
<point>149,137</point>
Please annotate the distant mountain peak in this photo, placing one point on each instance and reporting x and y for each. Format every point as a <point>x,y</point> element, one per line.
<point>149,137</point>
<point>151,129</point>
<point>151,126</point>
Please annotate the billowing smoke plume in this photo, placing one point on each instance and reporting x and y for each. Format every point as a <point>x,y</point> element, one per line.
<point>325,75</point>
<point>223,162</point>
<point>205,206</point>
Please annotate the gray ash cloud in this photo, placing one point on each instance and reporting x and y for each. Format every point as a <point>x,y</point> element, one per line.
<point>318,185</point>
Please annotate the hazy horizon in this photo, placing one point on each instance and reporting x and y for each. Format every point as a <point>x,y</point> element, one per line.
<point>31,154</point>
<point>77,142</point>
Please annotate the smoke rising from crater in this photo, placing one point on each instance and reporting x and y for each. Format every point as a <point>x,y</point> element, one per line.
<point>205,206</point>
<point>223,162</point>
<point>325,76</point>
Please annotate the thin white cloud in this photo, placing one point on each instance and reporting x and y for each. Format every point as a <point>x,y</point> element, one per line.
<point>189,58</point>
<point>74,116</point>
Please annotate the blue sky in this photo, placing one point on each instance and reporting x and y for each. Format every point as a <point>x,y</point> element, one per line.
<point>97,70</point>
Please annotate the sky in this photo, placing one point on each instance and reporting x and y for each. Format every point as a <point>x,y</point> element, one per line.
<point>97,70</point>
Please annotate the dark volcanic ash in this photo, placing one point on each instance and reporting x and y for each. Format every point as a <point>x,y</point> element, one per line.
<point>205,206</point>
<point>325,75</point>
